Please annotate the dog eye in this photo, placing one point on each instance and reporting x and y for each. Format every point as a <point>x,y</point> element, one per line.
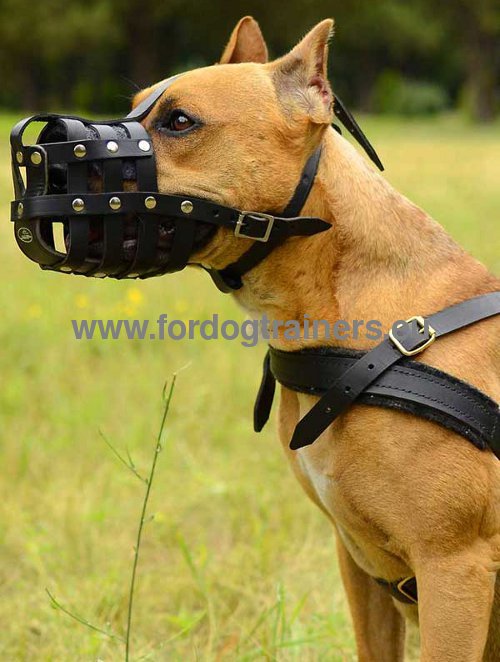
<point>178,122</point>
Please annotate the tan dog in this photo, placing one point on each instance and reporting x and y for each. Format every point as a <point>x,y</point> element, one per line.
<point>406,496</point>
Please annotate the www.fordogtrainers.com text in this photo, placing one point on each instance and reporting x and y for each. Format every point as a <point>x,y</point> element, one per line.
<point>249,332</point>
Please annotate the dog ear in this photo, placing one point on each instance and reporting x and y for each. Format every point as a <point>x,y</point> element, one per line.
<point>301,76</point>
<point>246,44</point>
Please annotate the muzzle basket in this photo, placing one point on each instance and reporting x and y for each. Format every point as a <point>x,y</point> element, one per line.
<point>74,170</point>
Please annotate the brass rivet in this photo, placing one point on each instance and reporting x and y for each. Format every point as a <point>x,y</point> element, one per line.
<point>19,157</point>
<point>112,147</point>
<point>132,275</point>
<point>78,204</point>
<point>99,275</point>
<point>80,151</point>
<point>144,146</point>
<point>20,209</point>
<point>67,269</point>
<point>187,206</point>
<point>36,158</point>
<point>115,203</point>
<point>150,202</point>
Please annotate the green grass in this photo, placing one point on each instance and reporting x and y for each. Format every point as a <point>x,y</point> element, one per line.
<point>237,564</point>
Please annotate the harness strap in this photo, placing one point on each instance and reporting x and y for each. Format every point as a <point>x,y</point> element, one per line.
<point>365,371</point>
<point>409,386</point>
<point>373,378</point>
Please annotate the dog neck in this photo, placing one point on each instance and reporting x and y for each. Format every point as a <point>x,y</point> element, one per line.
<point>379,261</point>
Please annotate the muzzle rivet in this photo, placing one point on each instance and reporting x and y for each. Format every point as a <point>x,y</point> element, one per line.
<point>80,151</point>
<point>150,202</point>
<point>66,269</point>
<point>19,157</point>
<point>78,204</point>
<point>115,203</point>
<point>187,206</point>
<point>36,158</point>
<point>144,146</point>
<point>20,209</point>
<point>112,147</point>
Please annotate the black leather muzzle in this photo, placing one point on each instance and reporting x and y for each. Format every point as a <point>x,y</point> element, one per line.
<point>89,202</point>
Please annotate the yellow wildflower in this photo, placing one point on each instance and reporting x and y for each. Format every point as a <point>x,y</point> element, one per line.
<point>181,306</point>
<point>81,301</point>
<point>134,295</point>
<point>34,311</point>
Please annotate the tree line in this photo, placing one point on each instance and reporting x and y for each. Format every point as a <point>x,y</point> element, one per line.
<point>408,56</point>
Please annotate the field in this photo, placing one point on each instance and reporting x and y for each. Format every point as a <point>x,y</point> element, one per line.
<point>236,564</point>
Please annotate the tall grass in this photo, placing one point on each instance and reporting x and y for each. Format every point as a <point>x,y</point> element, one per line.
<point>143,520</point>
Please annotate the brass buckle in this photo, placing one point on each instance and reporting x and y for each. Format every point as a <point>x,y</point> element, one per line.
<point>400,587</point>
<point>421,323</point>
<point>238,232</point>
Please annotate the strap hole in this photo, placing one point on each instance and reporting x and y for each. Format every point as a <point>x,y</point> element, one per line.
<point>370,366</point>
<point>216,213</point>
<point>347,389</point>
<point>328,410</point>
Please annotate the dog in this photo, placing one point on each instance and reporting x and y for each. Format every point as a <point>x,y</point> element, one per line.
<point>405,496</point>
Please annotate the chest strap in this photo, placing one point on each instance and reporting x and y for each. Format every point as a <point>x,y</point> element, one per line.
<point>386,376</point>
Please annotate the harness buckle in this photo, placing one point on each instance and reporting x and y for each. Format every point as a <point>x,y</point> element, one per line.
<point>259,216</point>
<point>422,327</point>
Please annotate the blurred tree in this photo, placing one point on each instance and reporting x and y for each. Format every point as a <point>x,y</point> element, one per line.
<point>39,40</point>
<point>475,26</point>
<point>146,28</point>
<point>372,37</point>
<point>80,53</point>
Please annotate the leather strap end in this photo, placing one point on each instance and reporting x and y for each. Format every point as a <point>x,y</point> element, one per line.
<point>305,226</point>
<point>265,396</point>
<point>347,119</point>
<point>301,438</point>
<point>316,225</point>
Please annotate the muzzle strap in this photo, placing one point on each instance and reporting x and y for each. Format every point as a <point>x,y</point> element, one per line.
<point>230,278</point>
<point>78,231</point>
<point>113,233</point>
<point>347,118</point>
<point>148,225</point>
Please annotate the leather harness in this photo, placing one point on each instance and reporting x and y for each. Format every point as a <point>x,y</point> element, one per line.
<point>387,376</point>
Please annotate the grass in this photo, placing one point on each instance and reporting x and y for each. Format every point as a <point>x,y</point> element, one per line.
<point>237,564</point>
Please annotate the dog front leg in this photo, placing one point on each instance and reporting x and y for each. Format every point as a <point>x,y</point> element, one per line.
<point>455,597</point>
<point>378,625</point>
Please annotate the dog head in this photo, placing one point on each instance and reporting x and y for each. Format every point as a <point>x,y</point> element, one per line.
<point>239,135</point>
<point>239,132</point>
